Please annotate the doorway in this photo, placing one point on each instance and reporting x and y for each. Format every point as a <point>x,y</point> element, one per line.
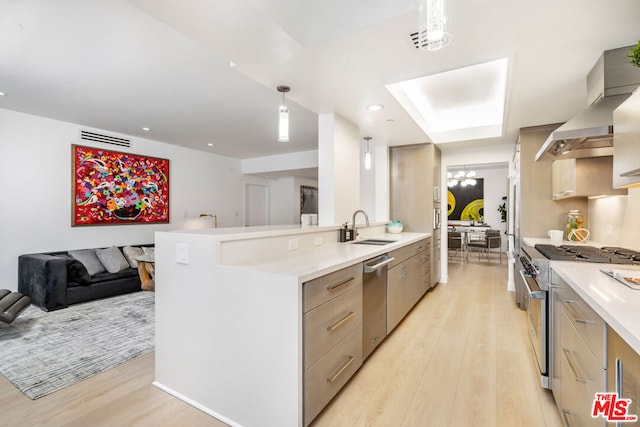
<point>256,204</point>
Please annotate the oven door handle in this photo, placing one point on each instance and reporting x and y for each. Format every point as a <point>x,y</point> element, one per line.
<point>533,289</point>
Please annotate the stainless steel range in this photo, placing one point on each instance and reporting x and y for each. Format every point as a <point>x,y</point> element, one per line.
<point>534,280</point>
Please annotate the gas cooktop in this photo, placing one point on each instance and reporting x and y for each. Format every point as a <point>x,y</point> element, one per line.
<point>605,255</point>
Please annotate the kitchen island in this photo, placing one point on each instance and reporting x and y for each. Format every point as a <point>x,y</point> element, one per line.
<point>229,314</point>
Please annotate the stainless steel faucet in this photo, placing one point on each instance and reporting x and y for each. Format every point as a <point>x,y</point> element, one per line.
<point>354,232</point>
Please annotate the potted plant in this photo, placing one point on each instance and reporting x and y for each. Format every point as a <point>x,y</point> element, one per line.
<point>635,55</point>
<point>503,210</point>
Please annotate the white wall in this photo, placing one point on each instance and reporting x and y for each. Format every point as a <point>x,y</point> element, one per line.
<point>35,169</point>
<point>283,162</point>
<point>284,199</point>
<point>338,169</point>
<point>615,220</point>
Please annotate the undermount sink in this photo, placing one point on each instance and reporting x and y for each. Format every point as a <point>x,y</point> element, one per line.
<point>379,242</point>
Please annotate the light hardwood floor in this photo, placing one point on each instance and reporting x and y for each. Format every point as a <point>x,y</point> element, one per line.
<point>460,358</point>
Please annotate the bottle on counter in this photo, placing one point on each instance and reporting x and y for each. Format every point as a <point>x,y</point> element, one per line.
<point>574,221</point>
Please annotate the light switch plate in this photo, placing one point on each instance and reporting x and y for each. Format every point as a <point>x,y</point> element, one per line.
<point>317,241</point>
<point>182,253</point>
<point>293,244</point>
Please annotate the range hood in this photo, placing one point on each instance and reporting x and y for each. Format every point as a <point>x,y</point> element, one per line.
<point>590,133</point>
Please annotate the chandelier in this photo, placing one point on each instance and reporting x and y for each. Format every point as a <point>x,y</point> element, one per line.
<point>461,177</point>
<point>433,25</point>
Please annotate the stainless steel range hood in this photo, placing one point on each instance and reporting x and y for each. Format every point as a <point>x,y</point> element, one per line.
<point>590,133</point>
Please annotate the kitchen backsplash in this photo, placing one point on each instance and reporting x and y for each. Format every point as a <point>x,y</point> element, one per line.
<point>615,220</point>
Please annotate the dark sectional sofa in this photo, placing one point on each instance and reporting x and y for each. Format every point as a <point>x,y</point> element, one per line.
<point>55,280</point>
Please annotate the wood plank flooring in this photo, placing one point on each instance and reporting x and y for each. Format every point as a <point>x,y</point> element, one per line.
<point>460,358</point>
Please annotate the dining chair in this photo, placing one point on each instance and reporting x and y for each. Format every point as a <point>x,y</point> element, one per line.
<point>456,243</point>
<point>490,240</point>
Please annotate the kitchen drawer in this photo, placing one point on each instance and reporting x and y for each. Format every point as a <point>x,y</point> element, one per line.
<point>422,245</point>
<point>327,325</point>
<point>581,377</point>
<point>327,287</point>
<point>324,379</point>
<point>587,322</point>
<point>404,253</point>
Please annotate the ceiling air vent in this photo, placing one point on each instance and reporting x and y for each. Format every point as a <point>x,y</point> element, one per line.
<point>415,40</point>
<point>104,139</point>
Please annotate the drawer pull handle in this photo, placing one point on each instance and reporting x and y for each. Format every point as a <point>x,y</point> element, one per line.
<point>584,322</point>
<point>337,285</point>
<point>572,365</point>
<point>335,376</point>
<point>340,322</point>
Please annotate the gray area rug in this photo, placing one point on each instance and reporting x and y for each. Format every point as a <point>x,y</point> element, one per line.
<point>43,352</point>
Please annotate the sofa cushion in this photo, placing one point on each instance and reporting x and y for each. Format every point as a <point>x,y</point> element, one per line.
<point>112,259</point>
<point>89,259</point>
<point>106,276</point>
<point>131,253</point>
<point>77,272</point>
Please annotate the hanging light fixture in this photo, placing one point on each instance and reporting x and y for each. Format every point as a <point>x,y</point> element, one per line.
<point>367,154</point>
<point>462,177</point>
<point>283,117</point>
<point>433,25</point>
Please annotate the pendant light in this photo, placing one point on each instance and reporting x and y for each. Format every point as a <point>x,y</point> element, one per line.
<point>367,154</point>
<point>433,25</point>
<point>283,117</point>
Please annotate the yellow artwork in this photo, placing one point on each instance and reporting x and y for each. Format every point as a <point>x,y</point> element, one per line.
<point>466,203</point>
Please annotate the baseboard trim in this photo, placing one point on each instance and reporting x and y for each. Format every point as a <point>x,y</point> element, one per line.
<point>196,405</point>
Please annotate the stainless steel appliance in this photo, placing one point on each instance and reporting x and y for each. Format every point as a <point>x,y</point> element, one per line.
<point>374,302</point>
<point>534,275</point>
<point>609,83</point>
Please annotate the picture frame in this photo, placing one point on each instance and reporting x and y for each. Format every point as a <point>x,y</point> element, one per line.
<point>308,199</point>
<point>114,188</point>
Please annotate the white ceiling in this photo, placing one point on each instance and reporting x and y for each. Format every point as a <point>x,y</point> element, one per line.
<point>121,65</point>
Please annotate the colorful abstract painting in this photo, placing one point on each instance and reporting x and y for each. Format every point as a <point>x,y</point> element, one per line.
<point>110,187</point>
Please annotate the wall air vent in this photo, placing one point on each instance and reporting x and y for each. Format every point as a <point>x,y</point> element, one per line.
<point>104,139</point>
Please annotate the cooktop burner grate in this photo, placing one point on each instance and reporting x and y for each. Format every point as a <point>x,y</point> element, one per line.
<point>605,255</point>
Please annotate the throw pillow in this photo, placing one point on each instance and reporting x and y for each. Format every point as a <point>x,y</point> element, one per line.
<point>89,259</point>
<point>149,250</point>
<point>131,253</point>
<point>112,259</point>
<point>77,272</point>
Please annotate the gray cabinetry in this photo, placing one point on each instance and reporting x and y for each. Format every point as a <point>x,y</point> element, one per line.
<point>626,142</point>
<point>408,278</point>
<point>579,358</point>
<point>415,193</point>
<point>332,335</point>
<point>624,373</point>
<point>583,177</point>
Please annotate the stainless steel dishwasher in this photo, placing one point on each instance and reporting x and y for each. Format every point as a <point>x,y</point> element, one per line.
<point>374,302</point>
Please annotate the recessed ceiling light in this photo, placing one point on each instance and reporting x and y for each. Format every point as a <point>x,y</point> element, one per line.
<point>3,94</point>
<point>375,107</point>
<point>146,129</point>
<point>210,144</point>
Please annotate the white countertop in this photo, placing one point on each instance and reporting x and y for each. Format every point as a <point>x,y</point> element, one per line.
<point>310,263</point>
<point>616,303</point>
